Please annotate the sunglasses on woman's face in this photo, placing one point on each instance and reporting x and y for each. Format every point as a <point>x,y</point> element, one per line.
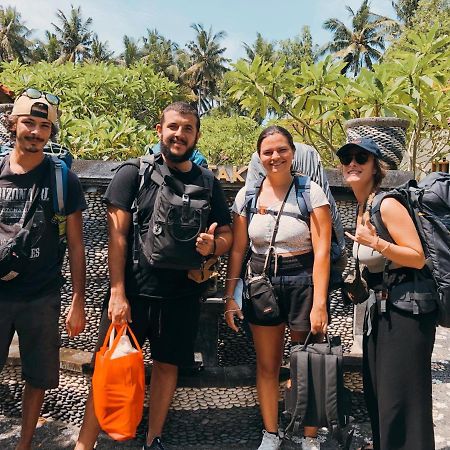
<point>36,93</point>
<point>359,157</point>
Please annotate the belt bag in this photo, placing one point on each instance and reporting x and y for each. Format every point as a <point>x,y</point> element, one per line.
<point>260,291</point>
<point>263,299</point>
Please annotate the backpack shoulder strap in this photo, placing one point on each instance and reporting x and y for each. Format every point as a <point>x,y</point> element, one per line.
<point>302,387</point>
<point>251,198</point>
<point>4,151</point>
<point>59,184</point>
<point>375,212</point>
<point>208,177</point>
<point>331,392</point>
<point>303,194</point>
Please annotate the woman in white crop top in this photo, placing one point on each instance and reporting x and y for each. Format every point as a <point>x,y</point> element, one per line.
<point>293,271</point>
<point>397,343</point>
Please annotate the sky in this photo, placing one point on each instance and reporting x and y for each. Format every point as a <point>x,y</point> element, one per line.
<point>240,19</point>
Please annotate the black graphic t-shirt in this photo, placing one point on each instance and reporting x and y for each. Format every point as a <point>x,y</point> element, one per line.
<point>143,279</point>
<point>43,273</point>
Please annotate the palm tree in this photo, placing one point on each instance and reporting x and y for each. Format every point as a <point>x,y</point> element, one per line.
<point>132,52</point>
<point>99,50</point>
<point>405,10</point>
<point>363,44</point>
<point>74,35</point>
<point>207,65</point>
<point>161,54</point>
<point>261,47</point>
<point>48,50</point>
<point>14,35</point>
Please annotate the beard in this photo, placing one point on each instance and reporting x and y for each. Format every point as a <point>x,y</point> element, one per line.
<point>167,153</point>
<point>31,145</point>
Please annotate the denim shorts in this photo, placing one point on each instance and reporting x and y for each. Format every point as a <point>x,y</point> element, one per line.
<point>293,286</point>
<point>36,324</point>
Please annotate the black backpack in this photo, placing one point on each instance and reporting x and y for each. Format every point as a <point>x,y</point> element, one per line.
<point>428,204</point>
<point>302,185</point>
<point>179,215</point>
<point>317,396</point>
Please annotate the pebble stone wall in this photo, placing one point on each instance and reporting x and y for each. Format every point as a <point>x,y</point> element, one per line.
<point>233,349</point>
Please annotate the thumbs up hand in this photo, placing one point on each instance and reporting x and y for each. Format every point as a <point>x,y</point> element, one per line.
<point>205,244</point>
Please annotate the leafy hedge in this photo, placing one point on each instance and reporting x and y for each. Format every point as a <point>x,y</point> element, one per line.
<point>108,111</point>
<point>228,140</point>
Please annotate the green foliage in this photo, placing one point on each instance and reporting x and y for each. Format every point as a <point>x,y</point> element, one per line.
<point>228,140</point>
<point>317,99</point>
<point>363,43</point>
<point>108,111</point>
<point>405,10</point>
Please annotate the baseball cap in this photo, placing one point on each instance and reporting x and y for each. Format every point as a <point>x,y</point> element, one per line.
<point>366,144</point>
<point>38,107</point>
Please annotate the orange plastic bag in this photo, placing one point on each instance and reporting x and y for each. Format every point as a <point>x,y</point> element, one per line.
<point>118,385</point>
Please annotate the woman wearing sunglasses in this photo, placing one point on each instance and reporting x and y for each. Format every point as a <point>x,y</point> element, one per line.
<point>397,344</point>
<point>298,268</point>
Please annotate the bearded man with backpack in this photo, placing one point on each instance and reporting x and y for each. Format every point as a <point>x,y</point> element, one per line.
<point>32,247</point>
<point>165,216</point>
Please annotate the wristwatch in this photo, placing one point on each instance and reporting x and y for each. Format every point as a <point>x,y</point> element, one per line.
<point>227,297</point>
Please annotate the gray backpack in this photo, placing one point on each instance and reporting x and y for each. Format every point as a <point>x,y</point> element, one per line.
<point>180,214</point>
<point>317,396</point>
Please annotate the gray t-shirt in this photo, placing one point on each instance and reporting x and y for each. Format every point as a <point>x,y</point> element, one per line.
<point>293,233</point>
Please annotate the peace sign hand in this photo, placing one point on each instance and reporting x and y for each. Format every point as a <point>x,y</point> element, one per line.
<point>365,235</point>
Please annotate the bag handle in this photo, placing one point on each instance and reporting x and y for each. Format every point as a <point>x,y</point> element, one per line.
<point>275,228</point>
<point>309,337</point>
<point>122,330</point>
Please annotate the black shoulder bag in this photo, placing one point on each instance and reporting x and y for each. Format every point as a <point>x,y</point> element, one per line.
<point>260,291</point>
<point>15,252</point>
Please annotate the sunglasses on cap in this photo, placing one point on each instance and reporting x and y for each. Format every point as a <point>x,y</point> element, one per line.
<point>36,93</point>
<point>359,157</point>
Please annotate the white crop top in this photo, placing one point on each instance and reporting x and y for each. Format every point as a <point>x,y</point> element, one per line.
<point>293,234</point>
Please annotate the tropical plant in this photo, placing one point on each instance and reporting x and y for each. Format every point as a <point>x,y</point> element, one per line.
<point>108,111</point>
<point>99,50</point>
<point>299,49</point>
<point>14,42</point>
<point>405,10</point>
<point>48,50</point>
<point>424,67</point>
<point>74,35</point>
<point>228,140</point>
<point>363,43</point>
<point>207,65</point>
<point>161,54</point>
<point>132,52</point>
<point>316,100</point>
<point>261,47</point>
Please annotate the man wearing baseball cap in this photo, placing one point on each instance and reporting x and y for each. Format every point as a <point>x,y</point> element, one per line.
<point>30,279</point>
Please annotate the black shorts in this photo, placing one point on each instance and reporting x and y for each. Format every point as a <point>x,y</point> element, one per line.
<point>36,324</point>
<point>293,287</point>
<point>170,326</point>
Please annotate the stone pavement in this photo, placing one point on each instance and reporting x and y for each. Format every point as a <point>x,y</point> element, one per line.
<point>201,418</point>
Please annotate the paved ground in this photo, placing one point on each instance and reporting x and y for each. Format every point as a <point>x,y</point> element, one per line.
<point>201,418</point>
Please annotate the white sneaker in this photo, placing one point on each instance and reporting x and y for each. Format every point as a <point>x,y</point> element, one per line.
<point>309,443</point>
<point>270,441</point>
